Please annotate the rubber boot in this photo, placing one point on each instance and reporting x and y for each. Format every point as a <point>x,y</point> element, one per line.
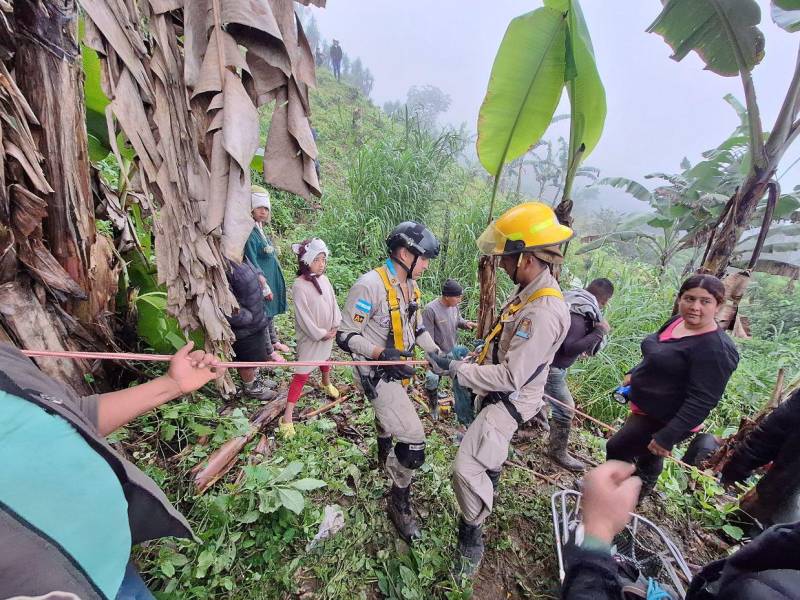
<point>494,477</point>
<point>384,447</point>
<point>470,549</point>
<point>433,403</point>
<point>649,481</point>
<point>399,509</point>
<point>557,450</point>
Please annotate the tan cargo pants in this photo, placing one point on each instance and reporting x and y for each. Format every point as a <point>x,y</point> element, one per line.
<point>396,417</point>
<point>484,447</point>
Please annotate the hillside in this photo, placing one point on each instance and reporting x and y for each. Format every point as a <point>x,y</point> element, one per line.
<point>255,524</point>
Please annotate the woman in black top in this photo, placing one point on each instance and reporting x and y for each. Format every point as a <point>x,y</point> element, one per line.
<point>684,369</point>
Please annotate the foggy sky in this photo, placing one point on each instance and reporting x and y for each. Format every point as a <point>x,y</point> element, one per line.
<point>659,110</point>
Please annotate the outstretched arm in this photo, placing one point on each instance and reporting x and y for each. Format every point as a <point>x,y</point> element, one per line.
<point>188,371</point>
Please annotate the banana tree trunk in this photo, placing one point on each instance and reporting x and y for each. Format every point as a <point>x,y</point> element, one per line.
<point>49,74</point>
<point>487,278</point>
<point>737,221</point>
<point>62,288</point>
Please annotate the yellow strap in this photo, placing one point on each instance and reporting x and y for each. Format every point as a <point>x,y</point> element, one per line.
<point>513,309</point>
<point>394,309</point>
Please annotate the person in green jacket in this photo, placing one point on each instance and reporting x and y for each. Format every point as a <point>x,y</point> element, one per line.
<point>261,251</point>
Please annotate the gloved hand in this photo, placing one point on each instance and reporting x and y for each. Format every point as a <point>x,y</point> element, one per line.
<point>439,361</point>
<point>394,373</point>
<point>458,352</point>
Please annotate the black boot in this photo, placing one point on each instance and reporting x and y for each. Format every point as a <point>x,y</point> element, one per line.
<point>494,477</point>
<point>649,479</point>
<point>557,451</point>
<point>384,447</point>
<point>399,509</point>
<point>433,403</point>
<point>470,549</point>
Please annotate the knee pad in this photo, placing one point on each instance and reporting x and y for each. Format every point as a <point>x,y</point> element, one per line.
<point>411,456</point>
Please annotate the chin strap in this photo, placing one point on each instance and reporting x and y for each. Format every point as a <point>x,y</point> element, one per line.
<point>516,268</point>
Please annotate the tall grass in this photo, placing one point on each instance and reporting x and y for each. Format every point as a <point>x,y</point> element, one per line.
<point>641,304</point>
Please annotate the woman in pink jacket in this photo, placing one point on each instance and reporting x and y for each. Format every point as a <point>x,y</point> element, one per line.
<point>317,318</point>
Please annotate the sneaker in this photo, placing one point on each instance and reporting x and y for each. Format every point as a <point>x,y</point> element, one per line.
<point>331,390</point>
<point>256,389</point>
<point>266,381</point>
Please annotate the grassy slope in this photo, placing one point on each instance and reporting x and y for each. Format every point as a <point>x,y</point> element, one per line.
<point>252,547</point>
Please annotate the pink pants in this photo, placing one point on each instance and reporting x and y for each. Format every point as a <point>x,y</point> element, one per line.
<point>298,381</point>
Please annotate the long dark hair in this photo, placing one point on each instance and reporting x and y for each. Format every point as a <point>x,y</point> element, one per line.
<point>304,270</point>
<point>708,283</point>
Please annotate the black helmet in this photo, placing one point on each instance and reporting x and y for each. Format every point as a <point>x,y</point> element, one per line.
<point>414,236</point>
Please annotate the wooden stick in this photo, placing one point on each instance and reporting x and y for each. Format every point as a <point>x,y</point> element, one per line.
<point>549,480</point>
<point>325,408</point>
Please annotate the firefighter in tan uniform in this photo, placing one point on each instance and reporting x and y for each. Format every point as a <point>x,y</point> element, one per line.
<point>382,320</point>
<point>509,374</point>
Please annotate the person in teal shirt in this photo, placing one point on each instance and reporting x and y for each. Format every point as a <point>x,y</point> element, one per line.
<point>264,254</point>
<point>70,506</point>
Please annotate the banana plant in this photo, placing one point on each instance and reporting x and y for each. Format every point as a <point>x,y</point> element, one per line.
<point>726,37</point>
<point>542,52</point>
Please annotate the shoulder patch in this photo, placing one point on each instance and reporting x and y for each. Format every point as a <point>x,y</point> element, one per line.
<point>358,318</point>
<point>524,329</point>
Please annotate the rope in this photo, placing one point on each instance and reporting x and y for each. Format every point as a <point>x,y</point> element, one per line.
<point>274,364</point>
<point>608,427</point>
<point>164,358</point>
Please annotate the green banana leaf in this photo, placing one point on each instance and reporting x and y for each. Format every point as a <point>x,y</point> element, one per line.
<point>524,87</point>
<point>616,237</point>
<point>786,14</point>
<point>634,188</point>
<point>96,102</point>
<point>586,93</point>
<point>717,31</point>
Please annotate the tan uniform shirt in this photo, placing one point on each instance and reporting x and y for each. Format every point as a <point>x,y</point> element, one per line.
<point>530,338</point>
<point>315,314</point>
<point>366,313</point>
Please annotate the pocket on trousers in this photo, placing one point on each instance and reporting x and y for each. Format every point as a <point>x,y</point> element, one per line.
<point>492,449</point>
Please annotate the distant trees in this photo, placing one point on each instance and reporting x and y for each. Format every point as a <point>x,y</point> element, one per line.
<point>424,102</point>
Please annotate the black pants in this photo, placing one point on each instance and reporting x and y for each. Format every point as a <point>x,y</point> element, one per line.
<point>630,444</point>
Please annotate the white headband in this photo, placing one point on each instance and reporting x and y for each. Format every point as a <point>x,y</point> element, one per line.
<point>258,199</point>
<point>314,247</point>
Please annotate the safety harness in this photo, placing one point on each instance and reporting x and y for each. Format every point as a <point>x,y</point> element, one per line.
<point>398,336</point>
<point>511,310</point>
<point>504,397</point>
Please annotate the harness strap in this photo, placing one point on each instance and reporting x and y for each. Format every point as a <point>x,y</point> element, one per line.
<point>511,310</point>
<point>394,310</point>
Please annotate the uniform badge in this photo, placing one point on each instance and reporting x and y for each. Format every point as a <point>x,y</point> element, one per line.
<point>358,318</point>
<point>524,329</point>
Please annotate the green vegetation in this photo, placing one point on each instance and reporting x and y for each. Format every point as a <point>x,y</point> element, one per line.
<point>254,525</point>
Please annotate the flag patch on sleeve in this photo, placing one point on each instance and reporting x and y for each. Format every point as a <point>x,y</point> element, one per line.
<point>524,329</point>
<point>363,305</point>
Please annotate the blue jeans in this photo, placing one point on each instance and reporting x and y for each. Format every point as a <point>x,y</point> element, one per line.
<point>133,586</point>
<point>556,387</point>
<point>464,403</point>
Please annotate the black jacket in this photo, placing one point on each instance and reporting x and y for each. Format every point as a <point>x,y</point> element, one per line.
<point>583,337</point>
<point>764,443</point>
<point>768,568</point>
<point>680,381</point>
<point>246,287</point>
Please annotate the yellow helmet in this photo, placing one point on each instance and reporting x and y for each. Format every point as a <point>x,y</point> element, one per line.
<point>527,226</point>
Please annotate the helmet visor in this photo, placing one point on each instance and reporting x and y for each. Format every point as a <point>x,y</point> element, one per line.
<point>492,241</point>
